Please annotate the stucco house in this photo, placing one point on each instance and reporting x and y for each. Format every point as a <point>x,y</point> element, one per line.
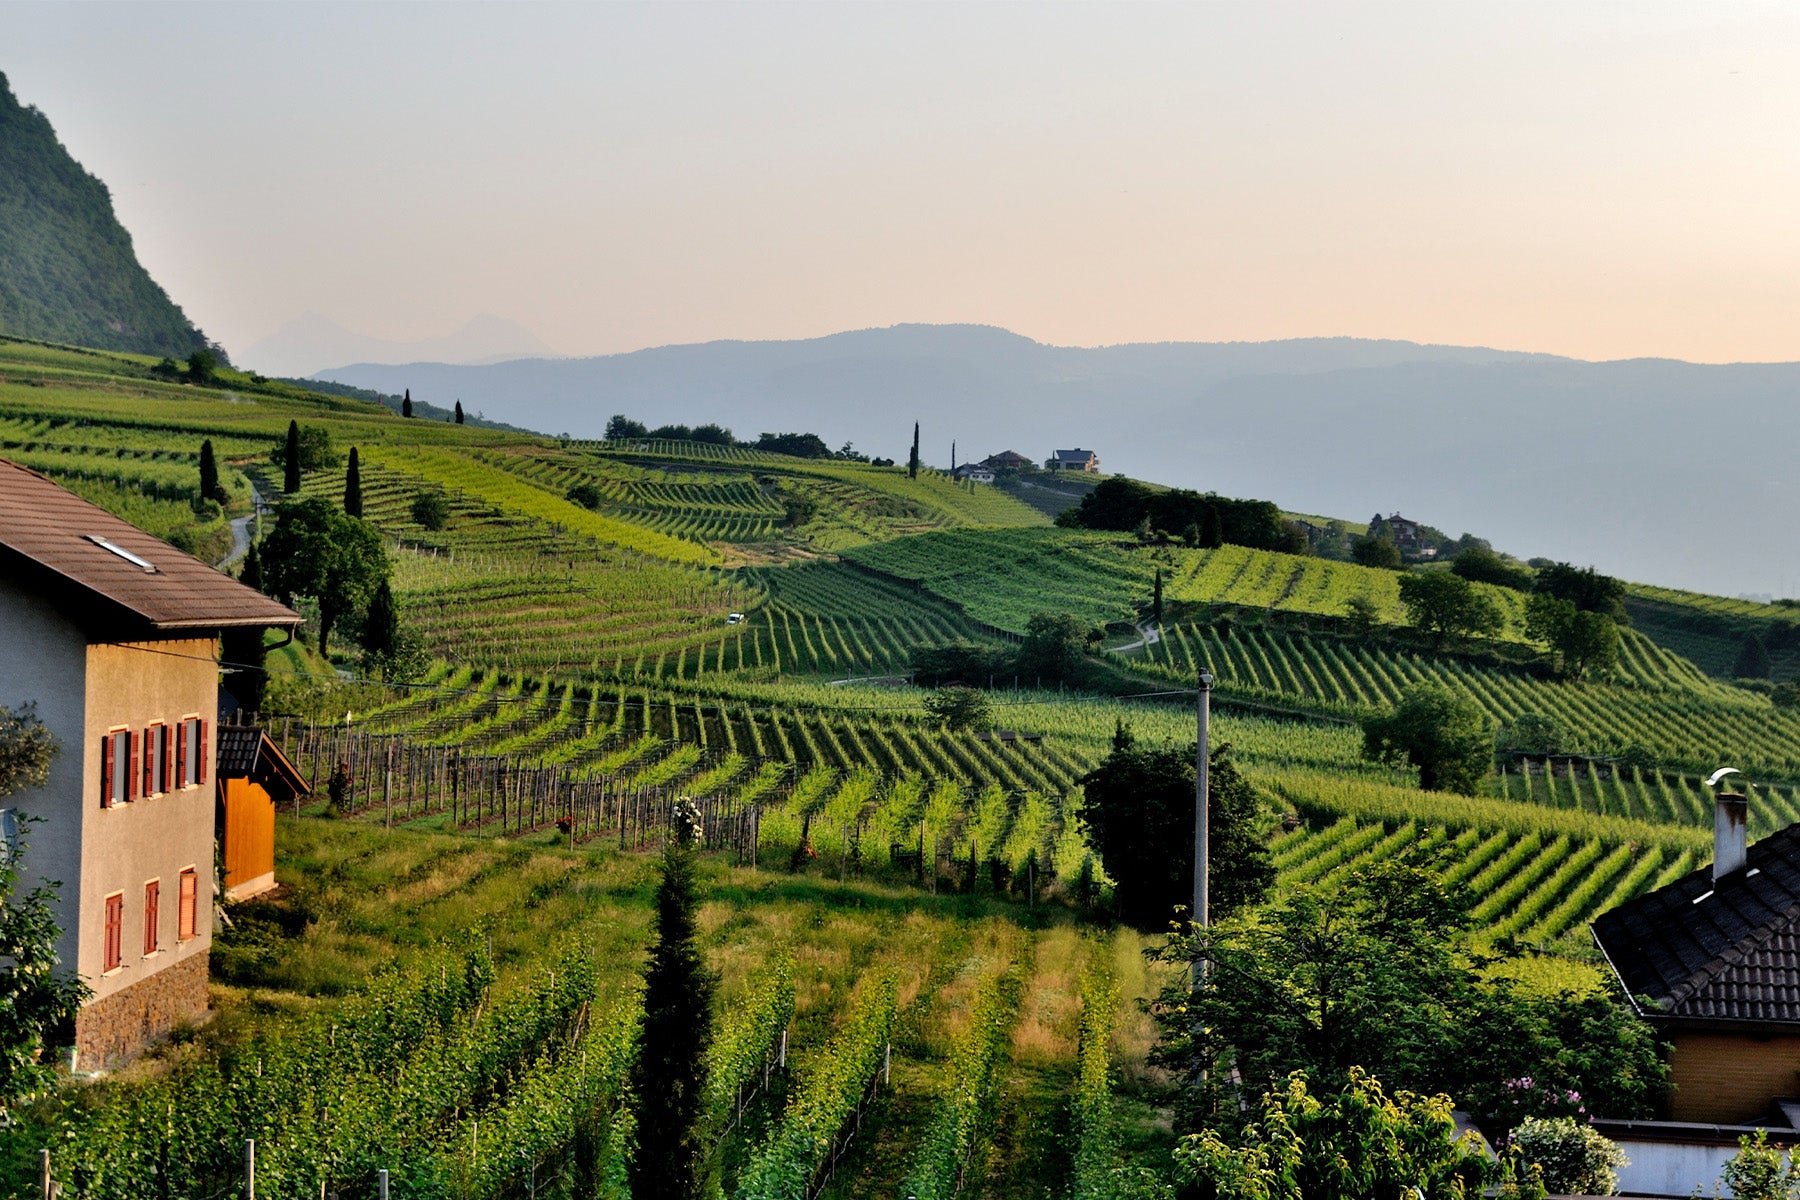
<point>1073,460</point>
<point>112,634</point>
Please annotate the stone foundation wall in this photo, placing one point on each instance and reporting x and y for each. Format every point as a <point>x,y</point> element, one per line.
<point>118,1028</point>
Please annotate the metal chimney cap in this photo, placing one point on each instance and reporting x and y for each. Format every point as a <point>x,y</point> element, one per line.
<point>1712,781</point>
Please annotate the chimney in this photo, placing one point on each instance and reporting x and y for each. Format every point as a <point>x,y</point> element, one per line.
<point>1731,827</point>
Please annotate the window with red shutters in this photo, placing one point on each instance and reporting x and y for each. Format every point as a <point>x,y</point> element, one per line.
<point>106,771</point>
<point>166,756</point>
<point>181,755</point>
<point>188,915</point>
<point>152,914</point>
<point>149,776</point>
<point>133,744</point>
<point>115,928</point>
<point>200,755</point>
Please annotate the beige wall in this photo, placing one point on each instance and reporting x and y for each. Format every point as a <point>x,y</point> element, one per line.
<point>133,684</point>
<point>43,660</point>
<point>1731,1078</point>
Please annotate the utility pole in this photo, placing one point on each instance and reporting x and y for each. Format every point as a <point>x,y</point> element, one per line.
<point>1202,834</point>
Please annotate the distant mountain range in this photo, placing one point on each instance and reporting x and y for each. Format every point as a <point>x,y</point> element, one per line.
<point>1659,470</point>
<point>311,343</point>
<point>68,272</point>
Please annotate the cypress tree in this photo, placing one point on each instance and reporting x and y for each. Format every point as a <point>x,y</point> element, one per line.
<point>290,475</point>
<point>1156,598</point>
<point>210,489</point>
<point>459,416</point>
<point>669,1077</point>
<point>912,464</point>
<point>406,404</point>
<point>353,487</point>
<point>1212,530</point>
<point>1752,660</point>
<point>381,627</point>
<point>251,574</point>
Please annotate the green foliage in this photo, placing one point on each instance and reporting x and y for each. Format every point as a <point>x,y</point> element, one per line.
<point>26,749</point>
<point>353,502</point>
<point>1759,1171</point>
<point>307,446</point>
<point>1585,588</point>
<point>587,495</point>
<point>1479,564</point>
<point>964,1120</point>
<point>430,509</point>
<point>1582,640</point>
<point>1752,660</point>
<point>1054,648</point>
<point>1119,503</point>
<point>1535,734</point>
<point>961,709</point>
<point>1447,605</point>
<point>1375,552</point>
<point>1100,1172</point>
<point>316,551</point>
<point>70,272</point>
<point>1139,809</point>
<point>1350,1145</point>
<point>210,487</point>
<point>1442,733</point>
<point>749,1038</point>
<point>1574,1158</point>
<point>960,662</point>
<point>669,1077</point>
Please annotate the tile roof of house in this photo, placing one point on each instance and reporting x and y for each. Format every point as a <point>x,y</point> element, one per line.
<point>1729,952</point>
<point>89,559</point>
<point>247,752</point>
<point>1075,455</point>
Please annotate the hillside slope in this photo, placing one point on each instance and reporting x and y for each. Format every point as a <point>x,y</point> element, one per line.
<point>68,272</point>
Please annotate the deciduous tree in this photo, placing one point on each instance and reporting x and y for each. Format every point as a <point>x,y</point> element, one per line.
<point>961,709</point>
<point>1376,552</point>
<point>1054,648</point>
<point>1446,605</point>
<point>1442,733</point>
<point>316,551</point>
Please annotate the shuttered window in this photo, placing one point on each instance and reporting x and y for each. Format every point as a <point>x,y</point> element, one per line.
<point>192,752</point>
<point>156,755</point>
<point>182,757</point>
<point>116,766</point>
<point>115,928</point>
<point>190,902</point>
<point>152,914</point>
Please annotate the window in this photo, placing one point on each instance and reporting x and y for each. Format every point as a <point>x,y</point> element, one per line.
<point>190,904</point>
<point>115,927</point>
<point>118,767</point>
<point>152,912</point>
<point>190,753</point>
<point>156,759</point>
<point>9,834</point>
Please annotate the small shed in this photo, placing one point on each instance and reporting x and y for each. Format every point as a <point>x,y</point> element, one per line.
<point>254,776</point>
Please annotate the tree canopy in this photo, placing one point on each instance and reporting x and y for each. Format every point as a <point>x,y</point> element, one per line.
<point>1585,588</point>
<point>1140,815</point>
<point>1442,733</point>
<point>317,551</point>
<point>1579,640</point>
<point>1054,649</point>
<point>1125,504</point>
<point>1446,605</point>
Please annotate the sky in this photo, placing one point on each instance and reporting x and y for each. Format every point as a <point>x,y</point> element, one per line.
<point>1596,180</point>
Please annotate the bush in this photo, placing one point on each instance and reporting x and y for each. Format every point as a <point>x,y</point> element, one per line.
<point>1759,1171</point>
<point>587,495</point>
<point>431,510</point>
<point>1575,1159</point>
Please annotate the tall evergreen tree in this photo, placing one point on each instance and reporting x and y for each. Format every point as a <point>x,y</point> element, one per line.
<point>1212,529</point>
<point>1156,598</point>
<point>242,651</point>
<point>669,1077</point>
<point>290,466</point>
<point>912,464</point>
<point>353,487</point>
<point>381,625</point>
<point>459,416</point>
<point>210,487</point>
<point>406,404</point>
<point>251,573</point>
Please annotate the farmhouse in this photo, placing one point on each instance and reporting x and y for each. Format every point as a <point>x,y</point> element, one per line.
<point>1006,460</point>
<point>112,633</point>
<point>1401,531</point>
<point>1073,460</point>
<point>976,472</point>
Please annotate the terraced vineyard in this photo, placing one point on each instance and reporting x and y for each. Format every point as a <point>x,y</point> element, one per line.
<point>1660,702</point>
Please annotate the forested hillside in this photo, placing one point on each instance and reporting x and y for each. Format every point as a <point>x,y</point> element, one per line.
<point>67,269</point>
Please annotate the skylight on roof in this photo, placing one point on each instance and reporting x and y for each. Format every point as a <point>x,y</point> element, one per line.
<point>148,566</point>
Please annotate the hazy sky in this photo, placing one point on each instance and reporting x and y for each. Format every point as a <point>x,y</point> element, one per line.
<point>1596,180</point>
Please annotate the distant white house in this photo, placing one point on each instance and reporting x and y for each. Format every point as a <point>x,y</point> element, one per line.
<point>976,472</point>
<point>1073,460</point>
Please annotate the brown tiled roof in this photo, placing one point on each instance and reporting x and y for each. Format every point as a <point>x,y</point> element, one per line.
<point>47,542</point>
<point>1729,952</point>
<point>246,752</point>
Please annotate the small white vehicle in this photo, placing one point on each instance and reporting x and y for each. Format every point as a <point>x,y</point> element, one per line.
<point>734,618</point>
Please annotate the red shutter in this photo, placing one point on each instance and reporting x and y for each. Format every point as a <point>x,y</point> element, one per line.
<point>152,912</point>
<point>115,924</point>
<point>181,754</point>
<point>149,752</point>
<point>190,896</point>
<point>133,744</point>
<point>200,766</point>
<point>168,761</point>
<point>106,771</point>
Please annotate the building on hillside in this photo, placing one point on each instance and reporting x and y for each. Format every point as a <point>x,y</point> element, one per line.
<point>1006,460</point>
<point>1073,460</point>
<point>112,635</point>
<point>1712,962</point>
<point>1404,533</point>
<point>255,778</point>
<point>976,472</point>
